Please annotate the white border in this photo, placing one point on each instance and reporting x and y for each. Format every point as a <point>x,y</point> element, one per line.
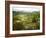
<point>26,31</point>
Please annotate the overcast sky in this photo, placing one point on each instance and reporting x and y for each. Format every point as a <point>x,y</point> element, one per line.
<point>25,9</point>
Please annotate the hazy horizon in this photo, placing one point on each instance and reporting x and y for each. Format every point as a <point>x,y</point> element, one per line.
<point>25,9</point>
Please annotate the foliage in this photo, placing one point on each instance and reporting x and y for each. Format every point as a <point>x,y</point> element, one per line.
<point>26,20</point>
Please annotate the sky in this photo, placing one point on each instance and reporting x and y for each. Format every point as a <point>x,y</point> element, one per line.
<point>25,8</point>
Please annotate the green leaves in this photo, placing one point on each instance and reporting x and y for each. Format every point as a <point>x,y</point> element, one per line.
<point>26,21</point>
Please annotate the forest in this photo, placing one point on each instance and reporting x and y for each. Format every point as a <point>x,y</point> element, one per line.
<point>26,20</point>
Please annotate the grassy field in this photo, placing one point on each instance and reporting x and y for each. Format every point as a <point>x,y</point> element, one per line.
<point>26,20</point>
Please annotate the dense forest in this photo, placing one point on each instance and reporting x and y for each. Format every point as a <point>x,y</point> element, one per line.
<point>26,20</point>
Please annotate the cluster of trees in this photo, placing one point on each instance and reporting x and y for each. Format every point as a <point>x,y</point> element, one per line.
<point>26,21</point>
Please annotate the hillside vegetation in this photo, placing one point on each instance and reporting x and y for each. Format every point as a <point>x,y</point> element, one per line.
<point>26,20</point>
